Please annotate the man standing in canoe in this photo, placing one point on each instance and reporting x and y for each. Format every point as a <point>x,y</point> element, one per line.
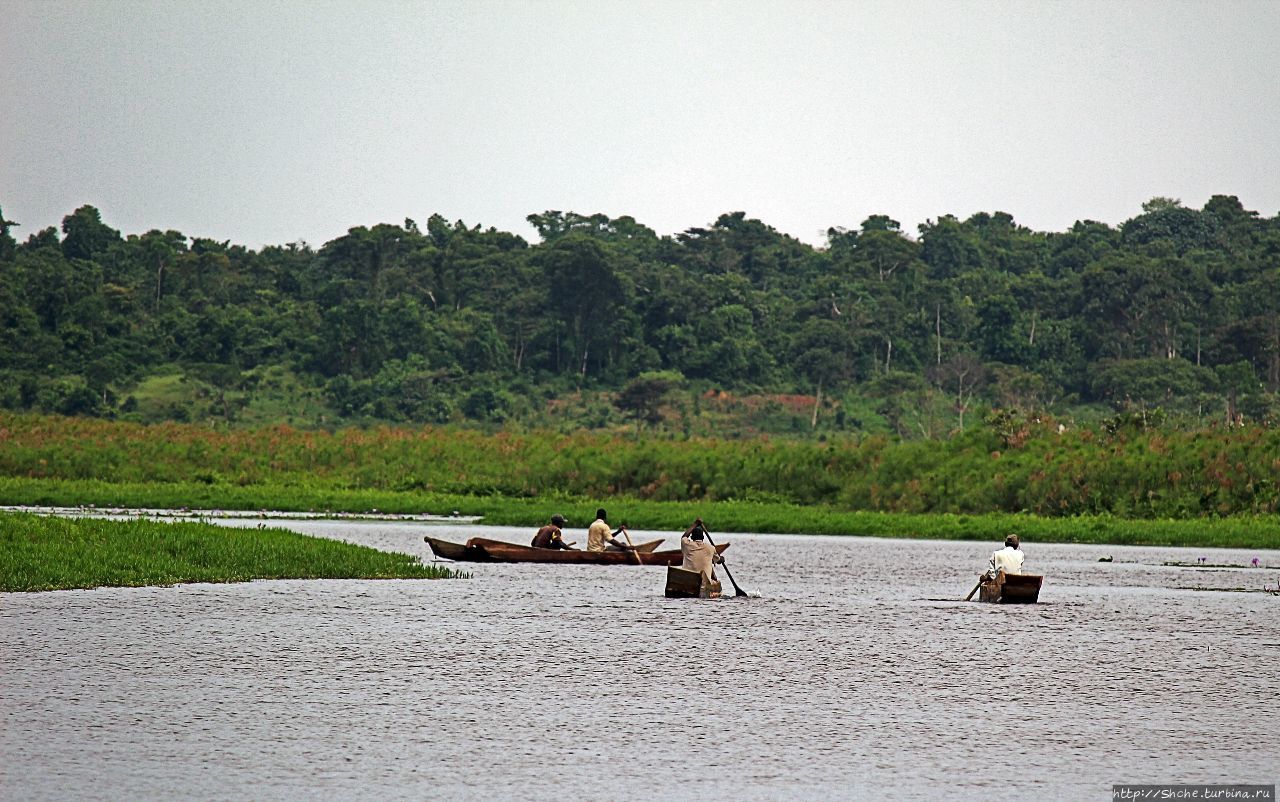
<point>1008,559</point>
<point>699,555</point>
<point>599,538</point>
<point>550,536</point>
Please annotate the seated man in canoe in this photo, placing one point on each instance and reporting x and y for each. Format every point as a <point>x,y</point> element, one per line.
<point>1008,559</point>
<point>1004,581</point>
<point>551,536</point>
<point>699,555</point>
<point>599,538</point>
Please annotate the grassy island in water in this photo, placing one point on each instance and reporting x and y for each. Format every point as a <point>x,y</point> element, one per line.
<point>49,553</point>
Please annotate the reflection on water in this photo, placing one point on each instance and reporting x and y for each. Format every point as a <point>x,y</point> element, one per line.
<point>854,673</point>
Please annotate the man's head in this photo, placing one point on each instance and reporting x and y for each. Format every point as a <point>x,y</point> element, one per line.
<point>602,515</point>
<point>1011,541</point>
<point>558,520</point>
<point>696,534</point>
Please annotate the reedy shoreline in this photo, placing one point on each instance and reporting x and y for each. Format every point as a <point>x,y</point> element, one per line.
<point>1261,532</point>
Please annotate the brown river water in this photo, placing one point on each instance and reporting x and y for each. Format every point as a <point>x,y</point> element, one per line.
<point>852,672</point>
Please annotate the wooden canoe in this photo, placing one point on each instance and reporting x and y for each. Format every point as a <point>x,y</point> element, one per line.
<point>456,551</point>
<point>1011,589</point>
<point>682,584</point>
<point>485,550</point>
<point>484,542</point>
<point>473,550</point>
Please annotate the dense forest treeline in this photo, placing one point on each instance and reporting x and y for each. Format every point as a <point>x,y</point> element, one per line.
<point>1174,313</point>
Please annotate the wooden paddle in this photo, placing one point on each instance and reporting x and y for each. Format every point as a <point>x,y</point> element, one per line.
<point>634,553</point>
<point>975,590</point>
<point>736,590</point>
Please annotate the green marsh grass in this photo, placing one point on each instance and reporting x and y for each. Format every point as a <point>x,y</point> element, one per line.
<point>1261,531</point>
<point>1178,488</point>
<point>1019,466</point>
<point>51,553</point>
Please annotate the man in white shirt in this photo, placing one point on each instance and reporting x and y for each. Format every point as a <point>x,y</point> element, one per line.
<point>1007,559</point>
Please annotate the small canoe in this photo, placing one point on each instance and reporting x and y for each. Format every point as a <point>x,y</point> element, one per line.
<point>485,550</point>
<point>682,584</point>
<point>1011,589</point>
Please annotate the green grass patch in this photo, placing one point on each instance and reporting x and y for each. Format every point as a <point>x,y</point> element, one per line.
<point>48,553</point>
<point>1261,531</point>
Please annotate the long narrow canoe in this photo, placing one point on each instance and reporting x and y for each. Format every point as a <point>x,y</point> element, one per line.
<point>484,550</point>
<point>473,550</point>
<point>484,542</point>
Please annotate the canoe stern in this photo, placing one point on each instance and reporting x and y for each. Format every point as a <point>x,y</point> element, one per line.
<point>682,584</point>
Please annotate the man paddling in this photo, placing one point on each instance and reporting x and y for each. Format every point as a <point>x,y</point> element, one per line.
<point>1007,559</point>
<point>599,538</point>
<point>551,536</point>
<point>699,555</point>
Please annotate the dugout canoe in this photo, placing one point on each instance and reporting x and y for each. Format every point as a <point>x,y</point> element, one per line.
<point>485,550</point>
<point>484,542</point>
<point>1011,589</point>
<point>462,552</point>
<point>682,584</point>
<point>473,550</point>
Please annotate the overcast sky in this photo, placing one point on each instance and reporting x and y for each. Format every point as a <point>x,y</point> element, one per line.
<point>268,122</point>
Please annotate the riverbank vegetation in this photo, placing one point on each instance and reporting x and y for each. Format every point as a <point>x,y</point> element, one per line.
<point>50,553</point>
<point>723,516</point>
<point>1126,484</point>
<point>1103,379</point>
<point>1007,464</point>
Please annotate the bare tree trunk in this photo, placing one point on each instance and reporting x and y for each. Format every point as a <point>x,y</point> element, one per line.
<point>517,352</point>
<point>1032,339</point>
<point>817,402</point>
<point>159,280</point>
<point>584,360</point>
<point>888,353</point>
<point>937,327</point>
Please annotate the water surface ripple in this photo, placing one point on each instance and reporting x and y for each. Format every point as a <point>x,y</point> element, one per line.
<point>854,672</point>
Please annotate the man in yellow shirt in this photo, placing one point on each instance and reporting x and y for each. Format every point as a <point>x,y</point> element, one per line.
<point>599,538</point>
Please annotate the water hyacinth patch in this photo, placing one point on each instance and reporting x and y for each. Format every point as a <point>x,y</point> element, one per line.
<point>48,553</point>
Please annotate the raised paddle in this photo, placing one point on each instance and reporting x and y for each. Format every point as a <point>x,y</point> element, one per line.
<point>634,553</point>
<point>736,590</point>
